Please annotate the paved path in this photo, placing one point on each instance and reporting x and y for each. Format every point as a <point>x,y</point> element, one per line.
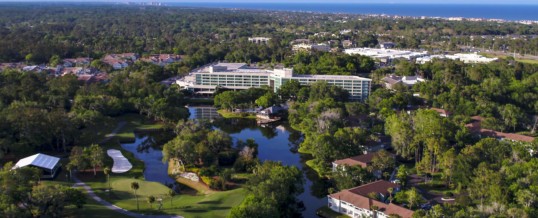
<point>79,183</point>
<point>114,132</point>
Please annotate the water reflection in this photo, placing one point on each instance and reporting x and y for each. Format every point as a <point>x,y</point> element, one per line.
<point>278,143</point>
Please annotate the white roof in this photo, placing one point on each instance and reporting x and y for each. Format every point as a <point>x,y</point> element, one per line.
<point>38,160</point>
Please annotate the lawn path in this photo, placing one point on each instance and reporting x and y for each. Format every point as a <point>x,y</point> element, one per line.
<point>114,132</point>
<point>110,206</point>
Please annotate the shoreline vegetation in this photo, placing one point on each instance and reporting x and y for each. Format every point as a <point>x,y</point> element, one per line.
<point>240,115</point>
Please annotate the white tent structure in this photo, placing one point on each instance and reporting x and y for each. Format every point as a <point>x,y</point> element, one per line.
<point>47,163</point>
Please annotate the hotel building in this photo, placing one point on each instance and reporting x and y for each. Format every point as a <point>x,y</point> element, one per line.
<point>239,76</point>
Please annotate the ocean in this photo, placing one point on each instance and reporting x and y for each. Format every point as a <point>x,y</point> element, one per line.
<point>505,12</point>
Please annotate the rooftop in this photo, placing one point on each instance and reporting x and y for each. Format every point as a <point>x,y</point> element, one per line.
<point>475,127</point>
<point>38,160</point>
<point>358,196</point>
<point>362,160</point>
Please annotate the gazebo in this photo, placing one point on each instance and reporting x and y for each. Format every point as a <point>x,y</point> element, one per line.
<point>48,164</point>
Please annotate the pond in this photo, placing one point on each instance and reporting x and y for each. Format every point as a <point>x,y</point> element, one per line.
<point>155,170</point>
<point>277,142</point>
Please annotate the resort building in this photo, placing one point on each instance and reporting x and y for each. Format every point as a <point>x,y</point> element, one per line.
<point>239,76</point>
<point>356,202</point>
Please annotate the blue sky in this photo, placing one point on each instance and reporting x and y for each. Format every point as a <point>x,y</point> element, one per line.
<point>376,1</point>
<point>527,2</point>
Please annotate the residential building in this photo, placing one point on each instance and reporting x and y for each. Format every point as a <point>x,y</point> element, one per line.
<point>76,62</point>
<point>363,161</point>
<point>120,61</point>
<point>390,81</point>
<point>259,40</point>
<point>48,164</point>
<point>239,76</point>
<point>270,112</point>
<point>442,112</point>
<point>475,127</point>
<point>356,202</point>
<point>162,59</point>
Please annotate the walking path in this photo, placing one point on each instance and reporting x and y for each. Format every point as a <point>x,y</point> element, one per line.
<point>110,206</point>
<point>114,132</point>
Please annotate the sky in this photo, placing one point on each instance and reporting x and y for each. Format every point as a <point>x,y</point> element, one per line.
<point>525,2</point>
<point>382,1</point>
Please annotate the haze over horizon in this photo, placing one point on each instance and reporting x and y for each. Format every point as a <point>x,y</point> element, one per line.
<point>484,2</point>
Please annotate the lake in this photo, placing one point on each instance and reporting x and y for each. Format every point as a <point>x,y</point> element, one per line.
<point>276,142</point>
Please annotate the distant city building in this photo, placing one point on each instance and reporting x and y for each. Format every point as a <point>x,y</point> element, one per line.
<point>465,58</point>
<point>259,40</point>
<point>347,43</point>
<point>387,45</point>
<point>391,80</point>
<point>239,76</point>
<point>357,202</point>
<point>386,54</point>
<point>311,47</point>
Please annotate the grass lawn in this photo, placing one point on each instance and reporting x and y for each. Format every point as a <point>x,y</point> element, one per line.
<point>326,212</point>
<point>204,204</point>
<point>228,114</point>
<point>528,61</point>
<point>92,209</point>
<point>103,128</point>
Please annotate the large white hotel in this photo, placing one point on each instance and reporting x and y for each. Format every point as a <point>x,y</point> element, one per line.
<point>238,76</point>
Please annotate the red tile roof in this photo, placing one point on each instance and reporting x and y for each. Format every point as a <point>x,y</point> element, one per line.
<point>358,196</point>
<point>475,127</point>
<point>362,160</point>
<point>441,111</point>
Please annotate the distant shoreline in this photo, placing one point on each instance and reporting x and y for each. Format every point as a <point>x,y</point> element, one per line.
<point>493,12</point>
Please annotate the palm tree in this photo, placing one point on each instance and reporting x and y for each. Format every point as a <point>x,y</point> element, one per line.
<point>390,190</point>
<point>106,171</point>
<point>171,194</point>
<point>151,200</point>
<point>134,187</point>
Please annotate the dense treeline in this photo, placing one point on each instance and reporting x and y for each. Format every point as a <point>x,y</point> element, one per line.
<point>204,35</point>
<point>38,112</point>
<point>23,196</point>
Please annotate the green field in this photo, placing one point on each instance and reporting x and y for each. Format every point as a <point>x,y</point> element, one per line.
<point>229,115</point>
